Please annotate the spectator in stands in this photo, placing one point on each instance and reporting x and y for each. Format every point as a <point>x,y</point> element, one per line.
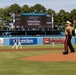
<point>15,44</point>
<point>19,43</point>
<point>68,34</point>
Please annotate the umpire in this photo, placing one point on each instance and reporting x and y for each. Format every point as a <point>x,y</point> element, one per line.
<point>68,34</point>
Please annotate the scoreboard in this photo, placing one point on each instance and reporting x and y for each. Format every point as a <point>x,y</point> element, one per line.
<point>33,20</point>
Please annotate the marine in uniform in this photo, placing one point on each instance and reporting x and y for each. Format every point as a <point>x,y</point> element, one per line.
<point>68,34</point>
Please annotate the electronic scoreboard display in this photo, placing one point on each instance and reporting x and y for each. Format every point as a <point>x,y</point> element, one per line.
<point>33,20</point>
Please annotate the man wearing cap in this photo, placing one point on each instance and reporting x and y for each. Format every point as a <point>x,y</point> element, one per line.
<point>68,34</point>
<point>19,43</point>
<point>15,44</point>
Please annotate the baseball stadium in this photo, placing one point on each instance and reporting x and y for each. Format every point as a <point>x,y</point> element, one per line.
<point>36,54</point>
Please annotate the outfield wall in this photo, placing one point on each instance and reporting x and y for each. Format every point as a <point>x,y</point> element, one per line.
<point>6,41</point>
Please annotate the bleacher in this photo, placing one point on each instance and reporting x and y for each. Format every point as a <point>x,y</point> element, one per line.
<point>29,33</point>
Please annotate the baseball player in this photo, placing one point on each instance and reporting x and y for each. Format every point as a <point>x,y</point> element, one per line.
<point>19,43</point>
<point>53,43</point>
<point>68,34</point>
<point>15,44</point>
<point>1,41</point>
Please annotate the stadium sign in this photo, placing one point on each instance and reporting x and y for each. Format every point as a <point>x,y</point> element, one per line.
<point>25,41</point>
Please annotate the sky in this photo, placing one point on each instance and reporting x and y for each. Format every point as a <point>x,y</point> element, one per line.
<point>55,5</point>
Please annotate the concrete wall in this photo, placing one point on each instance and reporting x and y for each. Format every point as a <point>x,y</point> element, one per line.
<point>40,40</point>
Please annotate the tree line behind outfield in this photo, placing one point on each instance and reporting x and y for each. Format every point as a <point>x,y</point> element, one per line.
<point>59,17</point>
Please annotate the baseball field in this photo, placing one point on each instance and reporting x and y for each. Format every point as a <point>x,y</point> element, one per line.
<point>37,60</point>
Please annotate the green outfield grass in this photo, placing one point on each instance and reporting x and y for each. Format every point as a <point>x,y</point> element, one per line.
<point>37,46</point>
<point>10,63</point>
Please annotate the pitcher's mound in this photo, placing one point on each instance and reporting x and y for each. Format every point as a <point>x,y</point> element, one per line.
<point>52,57</point>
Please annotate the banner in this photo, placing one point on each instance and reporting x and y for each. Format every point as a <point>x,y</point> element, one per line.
<point>1,41</point>
<point>50,40</point>
<point>46,40</point>
<point>24,41</point>
<point>57,40</point>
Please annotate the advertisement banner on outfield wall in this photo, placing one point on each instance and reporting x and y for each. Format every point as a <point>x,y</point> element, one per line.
<point>25,41</point>
<point>50,40</point>
<point>46,40</point>
<point>1,41</point>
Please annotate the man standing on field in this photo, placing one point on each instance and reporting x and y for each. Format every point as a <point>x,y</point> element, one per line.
<point>19,43</point>
<point>68,33</point>
<point>15,44</point>
<point>53,43</point>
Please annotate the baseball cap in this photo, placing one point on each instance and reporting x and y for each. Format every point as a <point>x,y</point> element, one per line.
<point>68,22</point>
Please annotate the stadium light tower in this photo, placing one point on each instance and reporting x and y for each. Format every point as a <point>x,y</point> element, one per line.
<point>52,21</point>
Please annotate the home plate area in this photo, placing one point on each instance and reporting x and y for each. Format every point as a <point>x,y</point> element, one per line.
<point>52,57</point>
